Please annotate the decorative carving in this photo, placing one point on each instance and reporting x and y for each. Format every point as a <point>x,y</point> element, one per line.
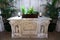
<point>42,29</point>
<point>16,29</point>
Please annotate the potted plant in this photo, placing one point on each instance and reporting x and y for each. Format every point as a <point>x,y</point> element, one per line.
<point>52,12</point>
<point>6,8</point>
<point>30,13</point>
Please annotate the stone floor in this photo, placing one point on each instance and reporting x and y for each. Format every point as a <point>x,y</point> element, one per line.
<point>52,36</point>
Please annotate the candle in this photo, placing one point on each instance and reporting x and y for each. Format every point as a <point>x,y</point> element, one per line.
<point>40,14</point>
<point>19,14</point>
<point>0,11</point>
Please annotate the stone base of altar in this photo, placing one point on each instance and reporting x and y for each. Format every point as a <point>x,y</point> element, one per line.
<point>32,36</point>
<point>29,27</point>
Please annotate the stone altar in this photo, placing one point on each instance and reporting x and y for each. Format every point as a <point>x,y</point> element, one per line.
<point>29,27</point>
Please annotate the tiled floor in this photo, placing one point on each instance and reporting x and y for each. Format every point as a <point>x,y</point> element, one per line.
<point>7,36</point>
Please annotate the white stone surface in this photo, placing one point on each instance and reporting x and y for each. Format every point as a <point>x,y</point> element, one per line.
<point>29,27</point>
<point>17,18</point>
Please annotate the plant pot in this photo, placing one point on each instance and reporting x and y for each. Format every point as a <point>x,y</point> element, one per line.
<point>7,26</point>
<point>30,16</point>
<point>52,26</point>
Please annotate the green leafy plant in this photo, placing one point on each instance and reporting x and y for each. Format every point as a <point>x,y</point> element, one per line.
<point>52,10</point>
<point>23,9</point>
<point>29,11</point>
<point>6,7</point>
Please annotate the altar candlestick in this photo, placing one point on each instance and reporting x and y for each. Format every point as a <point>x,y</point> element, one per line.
<point>40,14</point>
